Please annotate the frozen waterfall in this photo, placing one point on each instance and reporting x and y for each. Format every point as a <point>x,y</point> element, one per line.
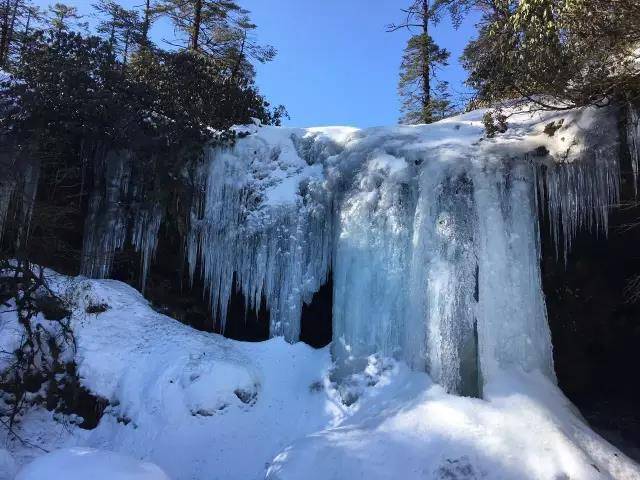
<point>431,233</point>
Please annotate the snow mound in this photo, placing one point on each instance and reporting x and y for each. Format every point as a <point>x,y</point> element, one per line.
<point>145,362</point>
<point>197,404</point>
<point>407,427</point>
<point>203,407</point>
<point>88,463</point>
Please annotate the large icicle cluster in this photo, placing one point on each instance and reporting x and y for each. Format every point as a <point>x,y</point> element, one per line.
<point>244,230</point>
<point>18,189</point>
<point>431,233</point>
<point>116,214</point>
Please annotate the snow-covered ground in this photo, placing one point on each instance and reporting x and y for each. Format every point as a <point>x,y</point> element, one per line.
<point>202,407</point>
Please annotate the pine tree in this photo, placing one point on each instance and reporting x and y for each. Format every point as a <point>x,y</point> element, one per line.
<point>62,17</point>
<point>149,13</point>
<point>421,102</point>
<point>199,20</point>
<point>218,28</point>
<point>16,20</point>
<point>424,99</point>
<point>121,27</point>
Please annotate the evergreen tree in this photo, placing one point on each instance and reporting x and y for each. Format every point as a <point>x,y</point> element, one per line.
<point>199,21</point>
<point>16,20</point>
<point>421,102</point>
<point>218,28</point>
<point>121,27</point>
<point>149,13</point>
<point>63,18</point>
<point>424,99</point>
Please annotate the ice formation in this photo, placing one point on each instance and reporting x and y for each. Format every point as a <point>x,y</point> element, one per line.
<point>431,233</point>
<point>117,215</point>
<point>18,187</point>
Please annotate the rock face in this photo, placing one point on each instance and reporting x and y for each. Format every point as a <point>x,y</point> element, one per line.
<point>595,328</point>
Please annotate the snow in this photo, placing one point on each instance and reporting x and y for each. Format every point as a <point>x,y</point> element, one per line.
<point>196,404</point>
<point>202,407</point>
<point>7,465</point>
<point>408,427</point>
<point>83,463</point>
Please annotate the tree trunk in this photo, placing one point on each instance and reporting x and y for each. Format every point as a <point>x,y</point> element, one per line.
<point>4,30</point>
<point>426,65</point>
<point>197,20</point>
<point>125,53</point>
<point>144,38</point>
<point>7,45</point>
<point>27,24</point>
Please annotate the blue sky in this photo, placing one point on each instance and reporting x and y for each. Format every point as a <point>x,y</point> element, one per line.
<point>336,64</point>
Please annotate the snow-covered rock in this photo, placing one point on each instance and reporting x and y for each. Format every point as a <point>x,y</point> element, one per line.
<point>89,463</point>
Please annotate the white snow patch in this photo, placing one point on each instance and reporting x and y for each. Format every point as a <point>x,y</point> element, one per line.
<point>7,465</point>
<point>89,463</point>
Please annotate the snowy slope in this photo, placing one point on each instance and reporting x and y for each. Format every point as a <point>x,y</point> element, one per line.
<point>202,407</point>
<point>197,404</point>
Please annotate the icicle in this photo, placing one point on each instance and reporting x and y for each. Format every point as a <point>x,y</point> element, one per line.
<point>7,189</point>
<point>19,188</point>
<point>512,322</point>
<point>280,252</point>
<point>579,194</point>
<point>371,261</point>
<point>144,238</point>
<point>443,279</point>
<point>106,224</point>
<point>29,190</point>
<point>633,142</point>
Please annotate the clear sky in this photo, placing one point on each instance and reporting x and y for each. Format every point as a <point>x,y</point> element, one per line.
<point>336,64</point>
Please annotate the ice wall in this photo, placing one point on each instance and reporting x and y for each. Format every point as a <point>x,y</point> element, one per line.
<point>263,219</point>
<point>18,189</point>
<point>431,233</point>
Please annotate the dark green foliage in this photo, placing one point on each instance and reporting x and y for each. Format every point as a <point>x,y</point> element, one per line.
<point>73,98</point>
<point>555,53</point>
<point>17,18</point>
<point>494,122</point>
<point>418,105</point>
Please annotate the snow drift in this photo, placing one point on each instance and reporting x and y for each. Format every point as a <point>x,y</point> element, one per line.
<point>203,407</point>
